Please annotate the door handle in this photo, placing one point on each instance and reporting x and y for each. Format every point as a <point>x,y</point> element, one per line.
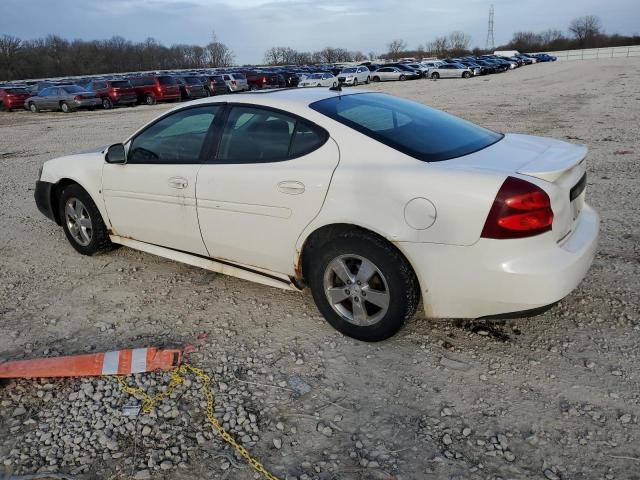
<point>178,182</point>
<point>291,187</point>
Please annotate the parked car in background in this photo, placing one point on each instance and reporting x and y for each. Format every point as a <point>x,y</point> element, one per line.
<point>236,82</point>
<point>67,98</point>
<point>544,57</point>
<point>191,88</point>
<point>354,75</point>
<point>12,98</point>
<point>423,69</point>
<point>319,80</point>
<point>151,89</point>
<point>113,92</point>
<point>385,74</point>
<point>451,70</point>
<point>214,84</point>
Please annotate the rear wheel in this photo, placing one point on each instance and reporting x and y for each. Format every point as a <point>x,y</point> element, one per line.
<point>466,74</point>
<point>107,104</point>
<point>3,108</point>
<point>435,75</point>
<point>368,80</point>
<point>64,106</point>
<point>149,99</point>
<point>363,286</point>
<point>82,222</point>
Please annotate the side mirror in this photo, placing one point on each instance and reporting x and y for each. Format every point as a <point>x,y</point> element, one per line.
<point>116,154</point>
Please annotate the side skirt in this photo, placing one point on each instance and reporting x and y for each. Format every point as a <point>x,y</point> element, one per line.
<point>271,279</point>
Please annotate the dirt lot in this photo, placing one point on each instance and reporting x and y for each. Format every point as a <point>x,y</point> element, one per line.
<point>555,396</point>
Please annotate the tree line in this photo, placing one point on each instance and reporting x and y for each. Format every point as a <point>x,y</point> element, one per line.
<point>54,56</point>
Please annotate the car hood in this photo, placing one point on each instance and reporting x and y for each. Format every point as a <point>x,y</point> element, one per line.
<point>93,150</point>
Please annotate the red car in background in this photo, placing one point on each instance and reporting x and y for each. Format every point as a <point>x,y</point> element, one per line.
<point>114,92</point>
<point>151,89</point>
<point>13,98</point>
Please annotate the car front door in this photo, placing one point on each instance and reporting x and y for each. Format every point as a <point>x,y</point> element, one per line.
<point>152,197</point>
<point>266,184</point>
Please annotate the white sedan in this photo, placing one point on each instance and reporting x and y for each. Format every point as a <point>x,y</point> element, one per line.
<point>372,201</point>
<point>451,70</point>
<point>319,80</point>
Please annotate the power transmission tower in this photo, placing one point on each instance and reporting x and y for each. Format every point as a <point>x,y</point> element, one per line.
<point>490,44</point>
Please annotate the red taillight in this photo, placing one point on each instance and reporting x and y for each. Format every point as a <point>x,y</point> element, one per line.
<point>234,83</point>
<point>264,79</point>
<point>159,89</point>
<point>520,209</point>
<point>77,98</point>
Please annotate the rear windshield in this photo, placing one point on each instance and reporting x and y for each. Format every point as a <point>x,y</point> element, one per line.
<point>192,81</point>
<point>412,128</point>
<point>141,81</point>
<point>73,89</point>
<point>239,76</point>
<point>120,84</point>
<point>15,90</point>
<point>167,80</point>
<point>218,78</point>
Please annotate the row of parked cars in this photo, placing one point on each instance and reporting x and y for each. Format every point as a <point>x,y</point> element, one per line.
<point>150,88</point>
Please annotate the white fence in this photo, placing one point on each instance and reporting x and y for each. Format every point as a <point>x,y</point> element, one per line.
<point>596,53</point>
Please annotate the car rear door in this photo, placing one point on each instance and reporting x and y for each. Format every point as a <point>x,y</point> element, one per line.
<point>151,198</point>
<point>267,182</point>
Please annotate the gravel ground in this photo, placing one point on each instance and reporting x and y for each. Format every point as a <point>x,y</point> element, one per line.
<point>556,396</point>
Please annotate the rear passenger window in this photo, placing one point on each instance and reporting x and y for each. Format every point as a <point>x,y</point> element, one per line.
<point>306,139</point>
<point>257,135</point>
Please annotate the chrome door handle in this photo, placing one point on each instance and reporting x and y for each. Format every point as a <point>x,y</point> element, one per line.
<point>178,182</point>
<point>291,187</point>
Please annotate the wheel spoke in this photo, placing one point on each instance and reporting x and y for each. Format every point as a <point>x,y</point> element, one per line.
<point>378,298</point>
<point>79,207</point>
<point>85,235</point>
<point>337,295</point>
<point>340,269</point>
<point>365,271</point>
<point>71,213</point>
<point>85,222</point>
<point>359,313</point>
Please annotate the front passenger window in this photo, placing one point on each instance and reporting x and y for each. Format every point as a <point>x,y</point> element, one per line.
<point>175,139</point>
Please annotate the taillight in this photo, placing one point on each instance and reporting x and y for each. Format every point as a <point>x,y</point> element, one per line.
<point>77,98</point>
<point>158,89</point>
<point>520,209</point>
<point>264,79</point>
<point>234,83</point>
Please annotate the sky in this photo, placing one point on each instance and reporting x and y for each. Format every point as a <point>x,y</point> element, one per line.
<point>249,27</point>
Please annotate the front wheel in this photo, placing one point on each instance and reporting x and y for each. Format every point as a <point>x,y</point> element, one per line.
<point>363,286</point>
<point>402,78</point>
<point>368,80</point>
<point>107,104</point>
<point>82,222</point>
<point>376,79</point>
<point>355,82</point>
<point>435,75</point>
<point>149,99</point>
<point>466,74</point>
<point>33,107</point>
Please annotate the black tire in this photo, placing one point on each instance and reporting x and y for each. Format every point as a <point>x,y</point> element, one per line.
<point>376,79</point>
<point>33,107</point>
<point>355,82</point>
<point>149,99</point>
<point>100,241</point>
<point>466,74</point>
<point>65,107</point>
<point>107,104</point>
<point>435,75</point>
<point>368,80</point>
<point>402,78</point>
<point>3,108</point>
<point>403,287</point>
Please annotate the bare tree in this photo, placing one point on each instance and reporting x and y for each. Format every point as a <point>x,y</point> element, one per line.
<point>585,29</point>
<point>9,48</point>
<point>438,47</point>
<point>395,48</point>
<point>459,43</point>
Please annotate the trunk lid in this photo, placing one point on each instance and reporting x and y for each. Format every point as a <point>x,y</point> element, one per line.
<point>559,167</point>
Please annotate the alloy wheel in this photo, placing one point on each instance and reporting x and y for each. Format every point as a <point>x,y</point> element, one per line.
<point>78,221</point>
<point>356,289</point>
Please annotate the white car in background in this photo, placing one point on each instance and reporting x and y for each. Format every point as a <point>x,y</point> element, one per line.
<point>372,201</point>
<point>385,74</point>
<point>354,75</point>
<point>451,70</point>
<point>236,82</point>
<point>319,80</point>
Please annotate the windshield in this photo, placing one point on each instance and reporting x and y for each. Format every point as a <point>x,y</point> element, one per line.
<point>167,80</point>
<point>192,81</point>
<point>73,89</point>
<point>349,70</point>
<point>315,75</point>
<point>15,90</point>
<point>412,128</point>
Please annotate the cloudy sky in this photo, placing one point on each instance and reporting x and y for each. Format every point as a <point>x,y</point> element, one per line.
<point>249,27</point>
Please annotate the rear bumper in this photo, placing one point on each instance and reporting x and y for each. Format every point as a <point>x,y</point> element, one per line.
<point>42,196</point>
<point>494,277</point>
<point>88,103</point>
